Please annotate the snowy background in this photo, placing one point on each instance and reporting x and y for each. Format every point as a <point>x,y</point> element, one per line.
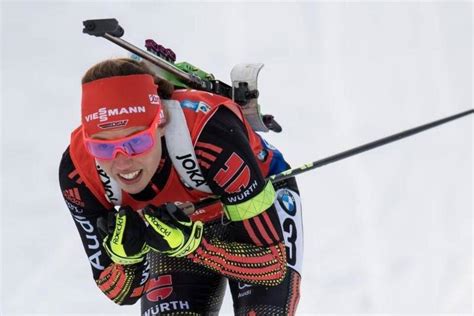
<point>388,231</point>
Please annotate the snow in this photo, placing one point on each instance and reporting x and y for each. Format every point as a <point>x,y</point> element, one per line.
<point>388,231</point>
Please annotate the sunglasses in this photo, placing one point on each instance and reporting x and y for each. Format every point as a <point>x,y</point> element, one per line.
<point>133,145</point>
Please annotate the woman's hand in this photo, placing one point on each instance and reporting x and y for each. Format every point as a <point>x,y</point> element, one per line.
<point>124,239</point>
<point>170,231</point>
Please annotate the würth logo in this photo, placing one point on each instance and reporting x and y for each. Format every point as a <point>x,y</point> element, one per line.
<point>72,195</point>
<point>104,113</point>
<point>159,288</point>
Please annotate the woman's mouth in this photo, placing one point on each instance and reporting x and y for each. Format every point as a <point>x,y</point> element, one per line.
<point>130,177</point>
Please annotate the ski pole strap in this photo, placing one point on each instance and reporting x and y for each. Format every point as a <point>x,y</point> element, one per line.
<point>252,207</point>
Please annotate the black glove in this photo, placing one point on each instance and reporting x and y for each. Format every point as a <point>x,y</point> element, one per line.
<point>170,231</point>
<point>124,233</point>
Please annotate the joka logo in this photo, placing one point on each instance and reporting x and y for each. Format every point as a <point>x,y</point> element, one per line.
<point>159,288</point>
<point>191,167</point>
<point>72,195</point>
<point>154,99</point>
<point>110,193</point>
<point>287,202</point>
<point>104,113</point>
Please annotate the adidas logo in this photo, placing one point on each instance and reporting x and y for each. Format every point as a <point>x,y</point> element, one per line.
<point>72,195</point>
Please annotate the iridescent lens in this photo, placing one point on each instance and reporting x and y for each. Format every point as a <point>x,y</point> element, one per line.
<point>102,150</point>
<point>132,146</point>
<point>138,144</point>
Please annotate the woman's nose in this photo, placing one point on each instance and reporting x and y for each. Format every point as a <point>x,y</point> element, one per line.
<point>122,161</point>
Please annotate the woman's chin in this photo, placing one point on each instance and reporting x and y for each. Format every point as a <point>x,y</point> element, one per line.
<point>134,185</point>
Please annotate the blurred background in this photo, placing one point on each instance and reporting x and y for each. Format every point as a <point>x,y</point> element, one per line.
<point>386,232</point>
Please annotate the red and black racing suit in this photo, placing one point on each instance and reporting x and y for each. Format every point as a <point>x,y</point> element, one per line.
<point>250,254</point>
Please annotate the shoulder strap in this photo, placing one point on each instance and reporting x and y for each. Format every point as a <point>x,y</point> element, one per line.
<point>113,193</point>
<point>181,149</point>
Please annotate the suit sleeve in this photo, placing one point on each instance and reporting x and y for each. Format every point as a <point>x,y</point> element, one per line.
<point>122,284</point>
<point>255,252</point>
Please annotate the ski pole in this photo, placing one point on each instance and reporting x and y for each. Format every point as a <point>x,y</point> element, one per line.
<point>189,208</point>
<point>366,147</point>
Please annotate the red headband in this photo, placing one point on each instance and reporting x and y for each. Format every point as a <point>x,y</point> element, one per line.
<point>119,102</point>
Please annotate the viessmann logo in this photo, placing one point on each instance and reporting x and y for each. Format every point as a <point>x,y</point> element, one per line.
<point>104,113</point>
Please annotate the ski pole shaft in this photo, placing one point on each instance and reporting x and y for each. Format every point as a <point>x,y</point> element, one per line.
<point>345,154</point>
<point>366,147</point>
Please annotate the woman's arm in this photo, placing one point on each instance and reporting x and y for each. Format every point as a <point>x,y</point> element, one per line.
<point>123,284</point>
<point>255,252</point>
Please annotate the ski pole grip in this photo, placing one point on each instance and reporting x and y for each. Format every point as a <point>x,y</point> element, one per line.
<point>101,26</point>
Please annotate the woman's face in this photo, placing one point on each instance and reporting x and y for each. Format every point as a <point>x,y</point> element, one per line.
<point>132,173</point>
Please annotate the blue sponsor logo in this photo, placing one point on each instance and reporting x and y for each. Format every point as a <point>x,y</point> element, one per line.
<point>262,155</point>
<point>287,202</point>
<point>195,106</point>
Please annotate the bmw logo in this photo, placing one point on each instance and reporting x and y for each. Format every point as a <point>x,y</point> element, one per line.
<point>287,202</point>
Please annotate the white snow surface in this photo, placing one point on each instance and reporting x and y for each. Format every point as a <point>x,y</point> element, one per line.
<point>386,232</point>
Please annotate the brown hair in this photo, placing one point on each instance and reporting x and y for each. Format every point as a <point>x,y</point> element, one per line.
<point>125,67</point>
